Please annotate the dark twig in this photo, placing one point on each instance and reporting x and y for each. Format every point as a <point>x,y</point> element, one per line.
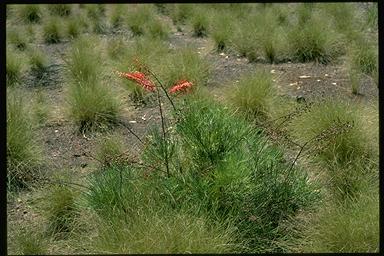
<point>164,135</point>
<point>163,88</point>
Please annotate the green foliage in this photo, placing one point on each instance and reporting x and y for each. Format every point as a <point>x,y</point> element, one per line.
<point>179,13</point>
<point>74,27</point>
<point>221,29</point>
<point>372,16</point>
<point>30,13</point>
<point>245,38</point>
<point>254,95</point>
<point>23,152</point>
<point>52,30</point>
<point>200,22</point>
<point>116,16</point>
<point>40,107</point>
<point>351,226</point>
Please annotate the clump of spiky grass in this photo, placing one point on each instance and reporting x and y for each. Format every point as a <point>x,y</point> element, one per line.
<point>40,107</point>
<point>30,13</point>
<point>30,243</point>
<point>116,48</point>
<point>52,30</point>
<point>110,151</point>
<point>372,16</point>
<point>116,15</point>
<point>221,29</point>
<point>351,226</point>
<point>74,28</point>
<point>200,21</point>
<point>60,9</point>
<point>314,40</point>
<point>61,211</point>
<point>39,62</point>
<point>18,38</point>
<point>14,67</point>
<point>23,152</point>
<point>91,103</point>
<point>180,13</point>
<point>165,233</point>
<point>185,64</point>
<point>254,95</point>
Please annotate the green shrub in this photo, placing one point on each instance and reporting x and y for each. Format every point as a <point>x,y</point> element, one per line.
<point>314,40</point>
<point>137,18</point>
<point>60,9</point>
<point>364,59</point>
<point>74,27</point>
<point>179,13</point>
<point>254,95</point>
<point>14,67</point>
<point>52,31</point>
<point>30,13</point>
<point>246,39</point>
<point>23,152</point>
<point>351,226</point>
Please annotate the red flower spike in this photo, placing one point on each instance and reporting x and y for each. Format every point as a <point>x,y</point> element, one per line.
<point>139,78</point>
<point>181,86</point>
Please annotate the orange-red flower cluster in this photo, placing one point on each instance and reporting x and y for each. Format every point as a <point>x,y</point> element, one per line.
<point>181,86</point>
<point>139,78</point>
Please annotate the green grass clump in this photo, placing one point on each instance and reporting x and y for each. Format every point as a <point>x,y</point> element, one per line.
<point>60,9</point>
<point>180,13</point>
<point>52,30</point>
<point>74,27</point>
<point>254,95</point>
<point>116,16</point>
<point>110,151</point>
<point>168,233</point>
<point>39,62</point>
<point>347,227</point>
<point>200,22</point>
<point>221,29</point>
<point>245,39</point>
<point>23,152</point>
<point>61,211</point>
<point>185,64</point>
<point>31,243</point>
<point>40,107</point>
<point>372,16</point>
<point>314,40</point>
<point>15,67</point>
<point>91,103</point>
<point>18,38</point>
<point>30,13</point>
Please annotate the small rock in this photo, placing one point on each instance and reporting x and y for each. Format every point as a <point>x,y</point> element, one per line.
<point>326,75</point>
<point>304,76</point>
<point>292,84</point>
<point>227,57</point>
<point>238,59</point>
<point>318,80</point>
<point>18,200</point>
<point>273,71</point>
<point>222,54</point>
<point>132,122</point>
<point>334,83</point>
<point>56,131</point>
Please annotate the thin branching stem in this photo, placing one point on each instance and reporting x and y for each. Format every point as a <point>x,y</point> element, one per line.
<point>164,135</point>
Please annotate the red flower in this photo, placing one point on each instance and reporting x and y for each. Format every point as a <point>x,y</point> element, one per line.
<point>181,86</point>
<point>139,78</point>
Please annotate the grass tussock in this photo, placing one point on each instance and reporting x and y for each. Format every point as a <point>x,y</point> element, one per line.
<point>60,9</point>
<point>254,95</point>
<point>23,153</point>
<point>18,38</point>
<point>110,151</point>
<point>52,30</point>
<point>30,13</point>
<point>15,67</point>
<point>39,62</point>
<point>351,226</point>
<point>91,103</point>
